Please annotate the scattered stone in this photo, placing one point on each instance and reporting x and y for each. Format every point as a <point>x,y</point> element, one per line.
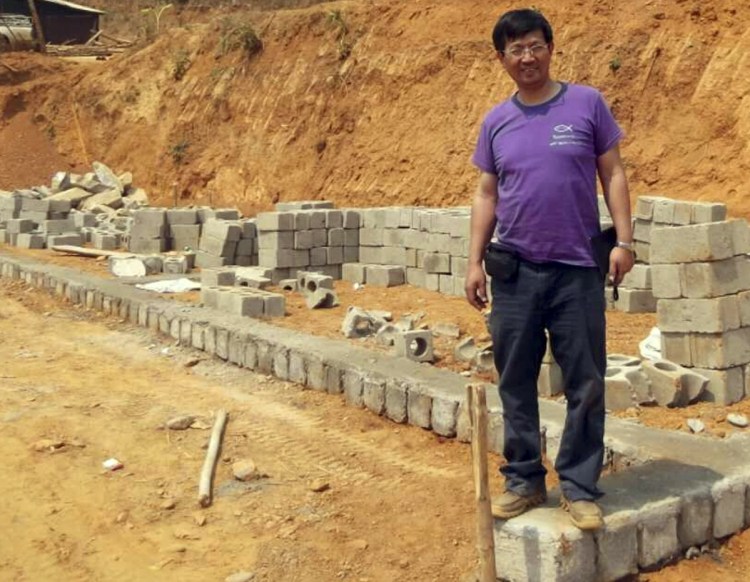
<point>240,577</point>
<point>192,362</point>
<point>199,519</point>
<point>739,420</point>
<point>182,422</point>
<point>168,504</point>
<point>357,323</point>
<point>245,470</point>
<point>386,335</point>
<point>695,425</point>
<point>201,424</point>
<point>319,485</point>
<point>322,298</point>
<point>48,445</point>
<point>358,544</point>
<point>176,549</point>
<point>444,329</point>
<point>692,553</point>
<point>112,464</point>
<point>465,350</point>
<point>122,517</point>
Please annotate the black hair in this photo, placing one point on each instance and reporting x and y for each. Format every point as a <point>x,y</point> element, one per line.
<point>517,23</point>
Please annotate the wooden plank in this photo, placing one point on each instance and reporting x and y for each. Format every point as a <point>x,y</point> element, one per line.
<point>85,252</point>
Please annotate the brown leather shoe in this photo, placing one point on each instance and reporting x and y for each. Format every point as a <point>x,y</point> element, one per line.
<point>511,504</point>
<point>584,514</point>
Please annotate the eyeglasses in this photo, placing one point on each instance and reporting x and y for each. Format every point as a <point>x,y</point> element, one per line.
<point>535,50</point>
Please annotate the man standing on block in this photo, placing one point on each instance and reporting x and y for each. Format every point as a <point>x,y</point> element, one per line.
<point>539,154</point>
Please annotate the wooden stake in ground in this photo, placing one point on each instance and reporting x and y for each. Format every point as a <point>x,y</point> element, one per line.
<point>212,454</point>
<point>476,403</point>
<point>41,43</point>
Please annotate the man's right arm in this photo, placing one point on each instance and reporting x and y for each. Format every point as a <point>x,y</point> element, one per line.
<point>482,226</point>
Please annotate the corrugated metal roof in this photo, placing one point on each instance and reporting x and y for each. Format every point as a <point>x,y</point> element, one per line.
<point>73,6</point>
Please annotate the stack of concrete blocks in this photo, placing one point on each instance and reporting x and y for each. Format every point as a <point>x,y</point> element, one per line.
<point>239,291</point>
<point>247,246</point>
<point>148,231</point>
<point>183,229</point>
<point>653,212</point>
<point>218,243</point>
<point>303,205</point>
<point>40,222</point>
<point>701,277</point>
<point>430,246</point>
<point>319,240</point>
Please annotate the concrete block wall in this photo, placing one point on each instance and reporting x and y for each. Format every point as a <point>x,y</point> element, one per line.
<point>307,237</point>
<point>431,245</point>
<point>652,212</point>
<point>691,491</point>
<point>701,278</point>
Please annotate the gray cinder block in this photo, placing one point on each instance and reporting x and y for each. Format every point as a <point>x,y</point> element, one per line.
<point>385,275</point>
<point>415,345</point>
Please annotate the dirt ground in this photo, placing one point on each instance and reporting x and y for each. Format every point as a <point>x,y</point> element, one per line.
<point>99,388</point>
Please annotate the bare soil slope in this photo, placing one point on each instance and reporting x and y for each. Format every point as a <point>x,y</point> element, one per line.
<point>381,104</point>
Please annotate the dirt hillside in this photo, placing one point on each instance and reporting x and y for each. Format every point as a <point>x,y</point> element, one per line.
<point>378,102</point>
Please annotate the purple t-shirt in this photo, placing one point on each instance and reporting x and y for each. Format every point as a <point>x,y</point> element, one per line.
<point>545,159</point>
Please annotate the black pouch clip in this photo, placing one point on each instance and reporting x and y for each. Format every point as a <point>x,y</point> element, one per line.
<point>602,245</point>
<point>501,264</point>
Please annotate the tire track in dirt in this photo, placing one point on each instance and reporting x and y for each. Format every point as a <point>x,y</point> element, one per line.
<point>350,456</point>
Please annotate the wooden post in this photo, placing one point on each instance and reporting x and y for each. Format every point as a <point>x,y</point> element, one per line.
<point>209,464</point>
<point>41,43</point>
<point>476,402</point>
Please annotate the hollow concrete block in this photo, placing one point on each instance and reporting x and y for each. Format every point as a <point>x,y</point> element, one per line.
<point>415,345</point>
<point>673,385</point>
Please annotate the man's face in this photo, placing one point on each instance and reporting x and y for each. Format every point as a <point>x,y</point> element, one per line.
<point>527,60</point>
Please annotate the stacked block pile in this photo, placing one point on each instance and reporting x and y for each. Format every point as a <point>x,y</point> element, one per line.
<point>701,278</point>
<point>424,247</point>
<point>316,239</point>
<point>241,291</point>
<point>73,210</point>
<point>653,212</point>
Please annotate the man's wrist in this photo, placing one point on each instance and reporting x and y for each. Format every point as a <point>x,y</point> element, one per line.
<point>621,244</point>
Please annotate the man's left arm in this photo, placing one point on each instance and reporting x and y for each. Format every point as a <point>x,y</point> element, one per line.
<point>616,194</point>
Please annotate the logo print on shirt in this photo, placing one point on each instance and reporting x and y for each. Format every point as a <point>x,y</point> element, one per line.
<point>564,134</point>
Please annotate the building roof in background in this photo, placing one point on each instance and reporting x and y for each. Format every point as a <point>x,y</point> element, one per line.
<point>73,6</point>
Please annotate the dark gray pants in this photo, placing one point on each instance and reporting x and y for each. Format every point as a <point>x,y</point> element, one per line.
<point>569,303</point>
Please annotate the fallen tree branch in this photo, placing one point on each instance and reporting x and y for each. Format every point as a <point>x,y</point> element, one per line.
<point>212,454</point>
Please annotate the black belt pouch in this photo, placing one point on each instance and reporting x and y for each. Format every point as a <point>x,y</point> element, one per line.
<point>501,264</point>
